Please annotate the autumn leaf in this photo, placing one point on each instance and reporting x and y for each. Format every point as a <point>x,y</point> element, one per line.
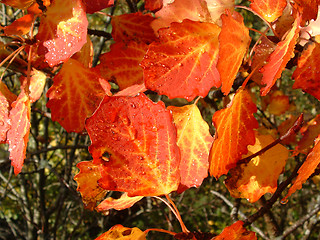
<point>279,58</point>
<point>132,91</point>
<point>75,95</point>
<point>118,204</point>
<point>87,180</point>
<point>179,10</point>
<point>133,27</point>
<point>218,7</point>
<point>6,99</point>
<point>234,41</point>
<point>141,139</point>
<point>260,175</point>
<point>62,31</point>
<point>21,4</point>
<point>93,6</point>
<point>153,5</point>
<point>36,84</point>
<point>278,103</point>
<point>306,75</point>
<point>121,64</point>
<point>236,232</point>
<point>119,232</point>
<point>17,135</point>
<point>308,8</point>
<point>194,141</point>
<point>234,132</point>
<point>307,168</point>
<point>270,10</point>
<point>183,62</point>
<point>21,26</point>
<point>285,126</point>
<point>85,55</point>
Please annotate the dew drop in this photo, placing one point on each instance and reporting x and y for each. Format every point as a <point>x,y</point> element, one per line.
<point>133,105</point>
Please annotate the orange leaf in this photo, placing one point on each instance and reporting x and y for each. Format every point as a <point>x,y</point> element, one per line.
<point>118,204</point>
<point>21,26</point>
<point>85,55</point>
<point>270,10</point>
<point>260,175</point>
<point>36,84</point>
<point>309,9</point>
<point>311,131</point>
<point>87,180</point>
<point>234,41</point>
<point>132,91</point>
<point>119,232</point>
<point>153,5</point>
<point>279,58</point>
<point>307,168</point>
<point>62,31</point>
<point>285,126</point>
<point>194,141</point>
<point>121,64</point>
<point>236,232</point>
<point>279,103</point>
<point>141,139</point>
<point>307,75</point>
<point>93,6</point>
<point>183,62</point>
<point>234,132</point>
<point>133,27</point>
<point>75,95</point>
<point>6,98</point>
<point>17,136</point>
<point>218,7</point>
<point>179,10</point>
<point>21,4</point>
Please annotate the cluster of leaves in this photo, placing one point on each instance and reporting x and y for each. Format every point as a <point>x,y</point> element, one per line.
<point>180,49</point>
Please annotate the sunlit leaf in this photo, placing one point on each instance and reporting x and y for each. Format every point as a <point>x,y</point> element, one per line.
<point>234,132</point>
<point>85,55</point>
<point>194,141</point>
<point>218,7</point>
<point>260,175</point>
<point>234,41</point>
<point>17,135</point>
<point>121,64</point>
<point>62,30</point>
<point>119,232</point>
<point>307,168</point>
<point>36,84</point>
<point>87,180</point>
<point>93,6</point>
<point>75,94</point>
<point>20,26</point>
<point>133,27</point>
<point>236,232</point>
<point>141,139</point>
<point>278,103</point>
<point>307,75</point>
<point>132,91</point>
<point>270,10</point>
<point>118,204</point>
<point>279,58</point>
<point>183,62</point>
<point>177,11</point>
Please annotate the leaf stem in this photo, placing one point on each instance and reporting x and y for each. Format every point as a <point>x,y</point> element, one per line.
<point>183,227</point>
<point>158,230</point>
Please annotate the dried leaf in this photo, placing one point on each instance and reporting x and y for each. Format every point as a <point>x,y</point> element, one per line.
<point>183,62</point>
<point>118,204</point>
<point>141,139</point>
<point>270,10</point>
<point>234,41</point>
<point>194,141</point>
<point>260,175</point>
<point>75,95</point>
<point>234,132</point>
<point>236,232</point>
<point>62,31</point>
<point>119,232</point>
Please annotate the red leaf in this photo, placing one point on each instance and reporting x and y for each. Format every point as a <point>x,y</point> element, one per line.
<point>132,91</point>
<point>6,98</point>
<point>270,10</point>
<point>183,62</point>
<point>87,180</point>
<point>194,141</point>
<point>307,75</point>
<point>141,139</point>
<point>85,55</point>
<point>309,9</point>
<point>234,41</point>
<point>75,95</point>
<point>279,58</point>
<point>17,136</point>
<point>179,10</point>
<point>119,232</point>
<point>62,31</point>
<point>153,5</point>
<point>234,132</point>
<point>20,26</point>
<point>121,64</point>
<point>307,168</point>
<point>236,232</point>
<point>118,204</point>
<point>93,6</point>
<point>133,27</point>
